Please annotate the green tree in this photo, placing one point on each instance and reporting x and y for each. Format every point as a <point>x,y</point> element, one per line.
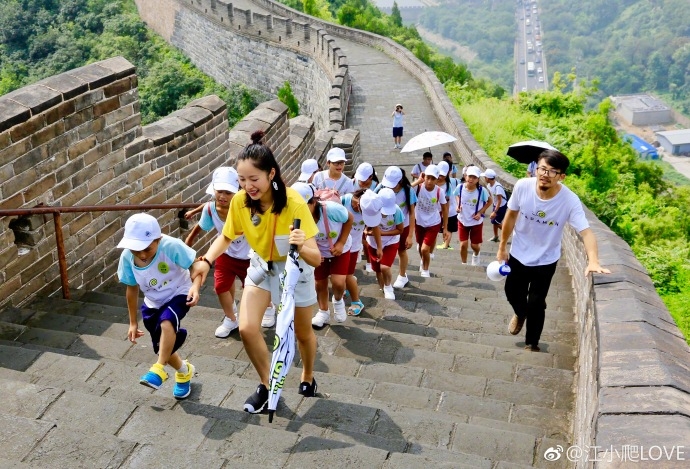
<point>396,17</point>
<point>286,97</point>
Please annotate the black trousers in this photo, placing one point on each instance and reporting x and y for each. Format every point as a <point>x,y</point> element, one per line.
<point>526,289</point>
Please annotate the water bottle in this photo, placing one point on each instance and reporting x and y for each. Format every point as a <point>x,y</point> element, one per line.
<point>497,271</point>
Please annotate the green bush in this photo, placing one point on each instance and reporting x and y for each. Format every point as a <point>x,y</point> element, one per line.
<point>286,97</point>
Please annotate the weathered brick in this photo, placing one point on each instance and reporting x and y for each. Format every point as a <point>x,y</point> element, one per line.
<point>18,183</point>
<point>47,133</point>
<point>72,197</point>
<point>8,287</point>
<point>107,232</point>
<point>61,189</point>
<point>94,74</point>
<point>78,118</point>
<point>129,97</point>
<point>132,122</point>
<point>12,113</point>
<point>84,175</point>
<point>92,127</point>
<point>126,167</point>
<point>78,223</point>
<point>36,97</point>
<point>6,172</point>
<point>81,147</point>
<point>52,163</point>
<point>70,169</point>
<point>113,184</point>
<point>120,86</point>
<point>67,85</point>
<point>109,133</point>
<point>16,201</point>
<point>30,159</point>
<point>118,115</point>
<point>141,196</point>
<point>96,154</point>
<point>20,263</point>
<point>137,146</point>
<point>40,187</point>
<point>153,177</point>
<point>59,112</point>
<point>122,140</point>
<point>98,180</point>
<point>87,99</point>
<point>5,140</point>
<point>27,128</point>
<point>106,106</point>
<point>37,268</point>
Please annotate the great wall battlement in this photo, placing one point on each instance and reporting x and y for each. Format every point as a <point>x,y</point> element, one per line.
<point>76,139</point>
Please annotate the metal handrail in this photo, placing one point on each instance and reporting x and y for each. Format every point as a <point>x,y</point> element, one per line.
<point>57,221</point>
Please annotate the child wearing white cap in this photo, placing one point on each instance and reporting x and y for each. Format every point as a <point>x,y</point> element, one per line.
<point>333,239</point>
<point>395,179</point>
<point>473,202</point>
<point>233,263</point>
<point>308,170</point>
<point>365,177</point>
<point>448,184</point>
<point>500,199</point>
<point>431,216</point>
<point>159,266</point>
<point>384,221</point>
<point>333,177</point>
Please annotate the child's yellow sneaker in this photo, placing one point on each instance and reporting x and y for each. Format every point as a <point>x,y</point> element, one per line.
<point>183,382</point>
<point>155,377</point>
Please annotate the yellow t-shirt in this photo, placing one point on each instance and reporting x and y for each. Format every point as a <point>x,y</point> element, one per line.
<point>239,222</point>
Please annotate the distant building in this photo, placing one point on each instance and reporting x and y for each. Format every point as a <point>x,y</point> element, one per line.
<point>645,149</point>
<point>642,109</point>
<point>676,142</point>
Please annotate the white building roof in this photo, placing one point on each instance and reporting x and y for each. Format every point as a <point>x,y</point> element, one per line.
<point>641,102</point>
<point>676,137</point>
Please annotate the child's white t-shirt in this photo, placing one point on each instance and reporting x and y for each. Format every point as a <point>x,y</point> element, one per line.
<point>343,185</point>
<point>337,217</point>
<point>468,204</point>
<point>388,223</point>
<point>166,276</point>
<point>357,225</point>
<point>498,189</point>
<point>539,226</point>
<point>239,247</point>
<point>428,207</point>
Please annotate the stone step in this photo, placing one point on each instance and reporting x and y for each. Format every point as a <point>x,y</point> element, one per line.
<point>347,418</point>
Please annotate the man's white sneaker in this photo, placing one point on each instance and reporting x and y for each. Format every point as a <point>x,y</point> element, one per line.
<point>421,265</point>
<point>388,292</point>
<point>339,312</point>
<point>425,273</point>
<point>368,268</point>
<point>226,328</point>
<point>400,282</point>
<point>269,319</point>
<point>475,259</point>
<point>321,319</point>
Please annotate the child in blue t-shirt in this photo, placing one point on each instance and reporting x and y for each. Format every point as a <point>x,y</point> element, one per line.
<point>159,266</point>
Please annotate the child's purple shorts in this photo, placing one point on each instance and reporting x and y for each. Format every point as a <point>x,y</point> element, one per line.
<point>173,311</point>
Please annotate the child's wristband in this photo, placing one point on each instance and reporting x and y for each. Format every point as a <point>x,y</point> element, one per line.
<point>203,258</point>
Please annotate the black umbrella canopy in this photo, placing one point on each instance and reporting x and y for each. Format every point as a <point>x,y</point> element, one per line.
<point>528,151</point>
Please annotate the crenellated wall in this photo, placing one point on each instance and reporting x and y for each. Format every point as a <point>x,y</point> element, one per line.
<point>77,139</point>
<point>261,51</point>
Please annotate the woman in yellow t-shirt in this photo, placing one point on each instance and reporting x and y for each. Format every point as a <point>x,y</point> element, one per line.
<point>263,211</point>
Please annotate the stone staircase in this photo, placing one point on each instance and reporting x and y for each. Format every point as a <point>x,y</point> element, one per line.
<point>432,379</point>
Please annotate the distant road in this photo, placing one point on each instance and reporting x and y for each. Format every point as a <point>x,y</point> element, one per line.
<point>528,30</point>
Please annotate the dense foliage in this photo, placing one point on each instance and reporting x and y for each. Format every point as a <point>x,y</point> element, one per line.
<point>286,97</point>
<point>630,45</point>
<point>40,38</point>
<point>486,27</point>
<point>627,194</point>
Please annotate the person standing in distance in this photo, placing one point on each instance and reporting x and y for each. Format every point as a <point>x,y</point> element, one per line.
<point>537,213</point>
<point>398,117</point>
<point>263,211</point>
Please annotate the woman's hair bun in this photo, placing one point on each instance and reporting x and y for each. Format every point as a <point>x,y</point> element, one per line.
<point>257,136</point>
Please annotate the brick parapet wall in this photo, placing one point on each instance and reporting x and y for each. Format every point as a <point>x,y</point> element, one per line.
<point>76,139</point>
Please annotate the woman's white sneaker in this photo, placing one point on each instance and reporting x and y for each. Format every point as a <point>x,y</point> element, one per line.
<point>269,319</point>
<point>321,319</point>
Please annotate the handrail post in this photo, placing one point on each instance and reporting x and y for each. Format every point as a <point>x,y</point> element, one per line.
<point>62,259</point>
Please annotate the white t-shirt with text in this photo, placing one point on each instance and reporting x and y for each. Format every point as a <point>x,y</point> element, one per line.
<point>470,203</point>
<point>428,207</point>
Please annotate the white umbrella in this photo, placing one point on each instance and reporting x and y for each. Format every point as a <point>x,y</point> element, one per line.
<point>284,341</point>
<point>427,140</point>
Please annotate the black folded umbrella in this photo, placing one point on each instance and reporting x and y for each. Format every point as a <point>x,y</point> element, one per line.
<point>528,151</point>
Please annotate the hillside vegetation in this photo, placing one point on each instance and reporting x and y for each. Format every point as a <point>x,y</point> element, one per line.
<point>41,38</point>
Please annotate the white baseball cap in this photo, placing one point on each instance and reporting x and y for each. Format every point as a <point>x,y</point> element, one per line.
<point>443,168</point>
<point>224,179</point>
<point>489,173</point>
<point>305,190</point>
<point>364,172</point>
<point>370,204</point>
<point>308,168</point>
<point>473,171</point>
<point>141,229</point>
<point>432,170</point>
<point>388,204</point>
<point>336,154</point>
<point>391,177</point>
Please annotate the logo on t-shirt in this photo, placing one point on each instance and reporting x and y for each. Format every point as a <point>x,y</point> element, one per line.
<point>153,282</point>
<point>541,214</point>
<point>163,268</point>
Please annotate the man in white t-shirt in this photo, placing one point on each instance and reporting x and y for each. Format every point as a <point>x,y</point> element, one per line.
<point>537,213</point>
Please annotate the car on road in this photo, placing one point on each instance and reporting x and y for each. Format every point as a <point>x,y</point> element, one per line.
<point>538,60</point>
<point>540,70</point>
<point>541,79</point>
<point>522,61</point>
<point>529,31</point>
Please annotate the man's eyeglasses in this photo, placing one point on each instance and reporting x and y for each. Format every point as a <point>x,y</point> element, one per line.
<point>552,173</point>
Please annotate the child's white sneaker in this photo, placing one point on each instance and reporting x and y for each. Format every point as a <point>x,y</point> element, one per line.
<point>226,328</point>
<point>425,274</point>
<point>401,281</point>
<point>368,268</point>
<point>339,312</point>
<point>475,259</point>
<point>269,319</point>
<point>388,292</point>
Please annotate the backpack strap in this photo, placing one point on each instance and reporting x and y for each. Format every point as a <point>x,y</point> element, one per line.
<point>325,222</point>
<point>208,206</point>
